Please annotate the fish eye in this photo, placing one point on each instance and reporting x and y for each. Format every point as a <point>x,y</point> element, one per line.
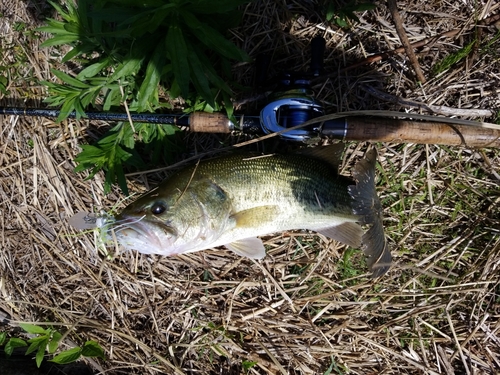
<point>158,208</point>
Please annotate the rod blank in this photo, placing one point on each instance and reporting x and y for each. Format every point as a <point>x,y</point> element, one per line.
<point>349,129</point>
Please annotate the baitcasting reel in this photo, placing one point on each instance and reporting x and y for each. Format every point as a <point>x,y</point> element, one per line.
<point>293,102</point>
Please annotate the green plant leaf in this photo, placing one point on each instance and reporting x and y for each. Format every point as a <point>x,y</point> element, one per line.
<point>92,70</point>
<point>341,15</point>
<point>3,337</point>
<point>75,51</point>
<point>228,104</point>
<point>59,40</point>
<point>361,7</point>
<point>67,108</point>
<point>66,78</point>
<point>89,152</point>
<point>151,79</point>
<point>200,80</point>
<point>53,27</point>
<point>89,96</point>
<point>120,178</point>
<point>93,349</point>
<point>39,344</point>
<point>143,3</point>
<point>131,66</point>
<point>54,341</point>
<point>67,356</point>
<point>72,27</point>
<point>83,17</point>
<point>36,342</point>
<point>219,6</point>
<point>158,17</point>
<point>341,22</point>
<point>80,112</point>
<point>109,155</point>
<point>113,98</point>
<point>212,74</point>
<point>3,85</point>
<point>247,365</point>
<point>177,50</point>
<point>453,58</point>
<point>67,16</point>
<point>13,343</point>
<point>213,39</point>
<point>40,354</point>
<point>33,329</point>
<point>330,11</point>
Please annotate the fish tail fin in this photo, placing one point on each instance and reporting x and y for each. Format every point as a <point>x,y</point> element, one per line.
<point>366,205</point>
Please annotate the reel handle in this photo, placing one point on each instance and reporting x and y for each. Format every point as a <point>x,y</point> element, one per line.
<point>317,51</point>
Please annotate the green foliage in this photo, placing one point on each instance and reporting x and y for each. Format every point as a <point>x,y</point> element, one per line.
<point>13,343</point>
<point>47,340</point>
<point>3,85</point>
<point>137,46</point>
<point>128,51</point>
<point>488,48</point>
<point>247,365</point>
<point>89,349</point>
<point>452,59</point>
<point>491,46</point>
<point>334,367</point>
<point>340,13</point>
<point>117,150</point>
<point>350,266</point>
<point>16,72</point>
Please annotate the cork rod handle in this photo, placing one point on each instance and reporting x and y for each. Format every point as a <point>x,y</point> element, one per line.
<point>405,131</point>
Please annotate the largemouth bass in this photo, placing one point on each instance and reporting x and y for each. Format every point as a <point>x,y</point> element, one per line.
<point>233,199</point>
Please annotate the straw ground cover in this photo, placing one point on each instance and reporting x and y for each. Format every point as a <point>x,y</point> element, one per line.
<point>309,307</point>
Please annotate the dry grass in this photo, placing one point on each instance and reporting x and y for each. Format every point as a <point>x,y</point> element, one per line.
<point>308,307</point>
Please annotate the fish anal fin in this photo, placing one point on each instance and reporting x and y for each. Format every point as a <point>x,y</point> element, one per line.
<point>331,154</point>
<point>252,248</point>
<point>253,217</point>
<point>349,233</point>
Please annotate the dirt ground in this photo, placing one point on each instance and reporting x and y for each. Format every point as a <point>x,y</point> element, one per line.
<point>309,307</point>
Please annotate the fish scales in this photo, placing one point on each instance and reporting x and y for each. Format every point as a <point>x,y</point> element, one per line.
<point>233,199</point>
<point>308,184</point>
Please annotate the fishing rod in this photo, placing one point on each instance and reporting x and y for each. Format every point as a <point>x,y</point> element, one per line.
<point>295,115</point>
<point>202,122</point>
<point>349,128</point>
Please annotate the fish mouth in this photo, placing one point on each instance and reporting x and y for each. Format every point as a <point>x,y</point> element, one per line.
<point>138,234</point>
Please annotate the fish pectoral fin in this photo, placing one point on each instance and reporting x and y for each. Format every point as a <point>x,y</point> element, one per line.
<point>256,216</point>
<point>252,248</point>
<point>349,233</point>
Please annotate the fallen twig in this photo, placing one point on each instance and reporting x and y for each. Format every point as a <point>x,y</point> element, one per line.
<point>398,22</point>
<point>436,109</point>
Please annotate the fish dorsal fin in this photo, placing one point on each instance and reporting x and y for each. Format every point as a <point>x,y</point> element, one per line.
<point>330,154</point>
<point>252,248</point>
<point>255,216</point>
<point>367,206</point>
<point>349,233</point>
